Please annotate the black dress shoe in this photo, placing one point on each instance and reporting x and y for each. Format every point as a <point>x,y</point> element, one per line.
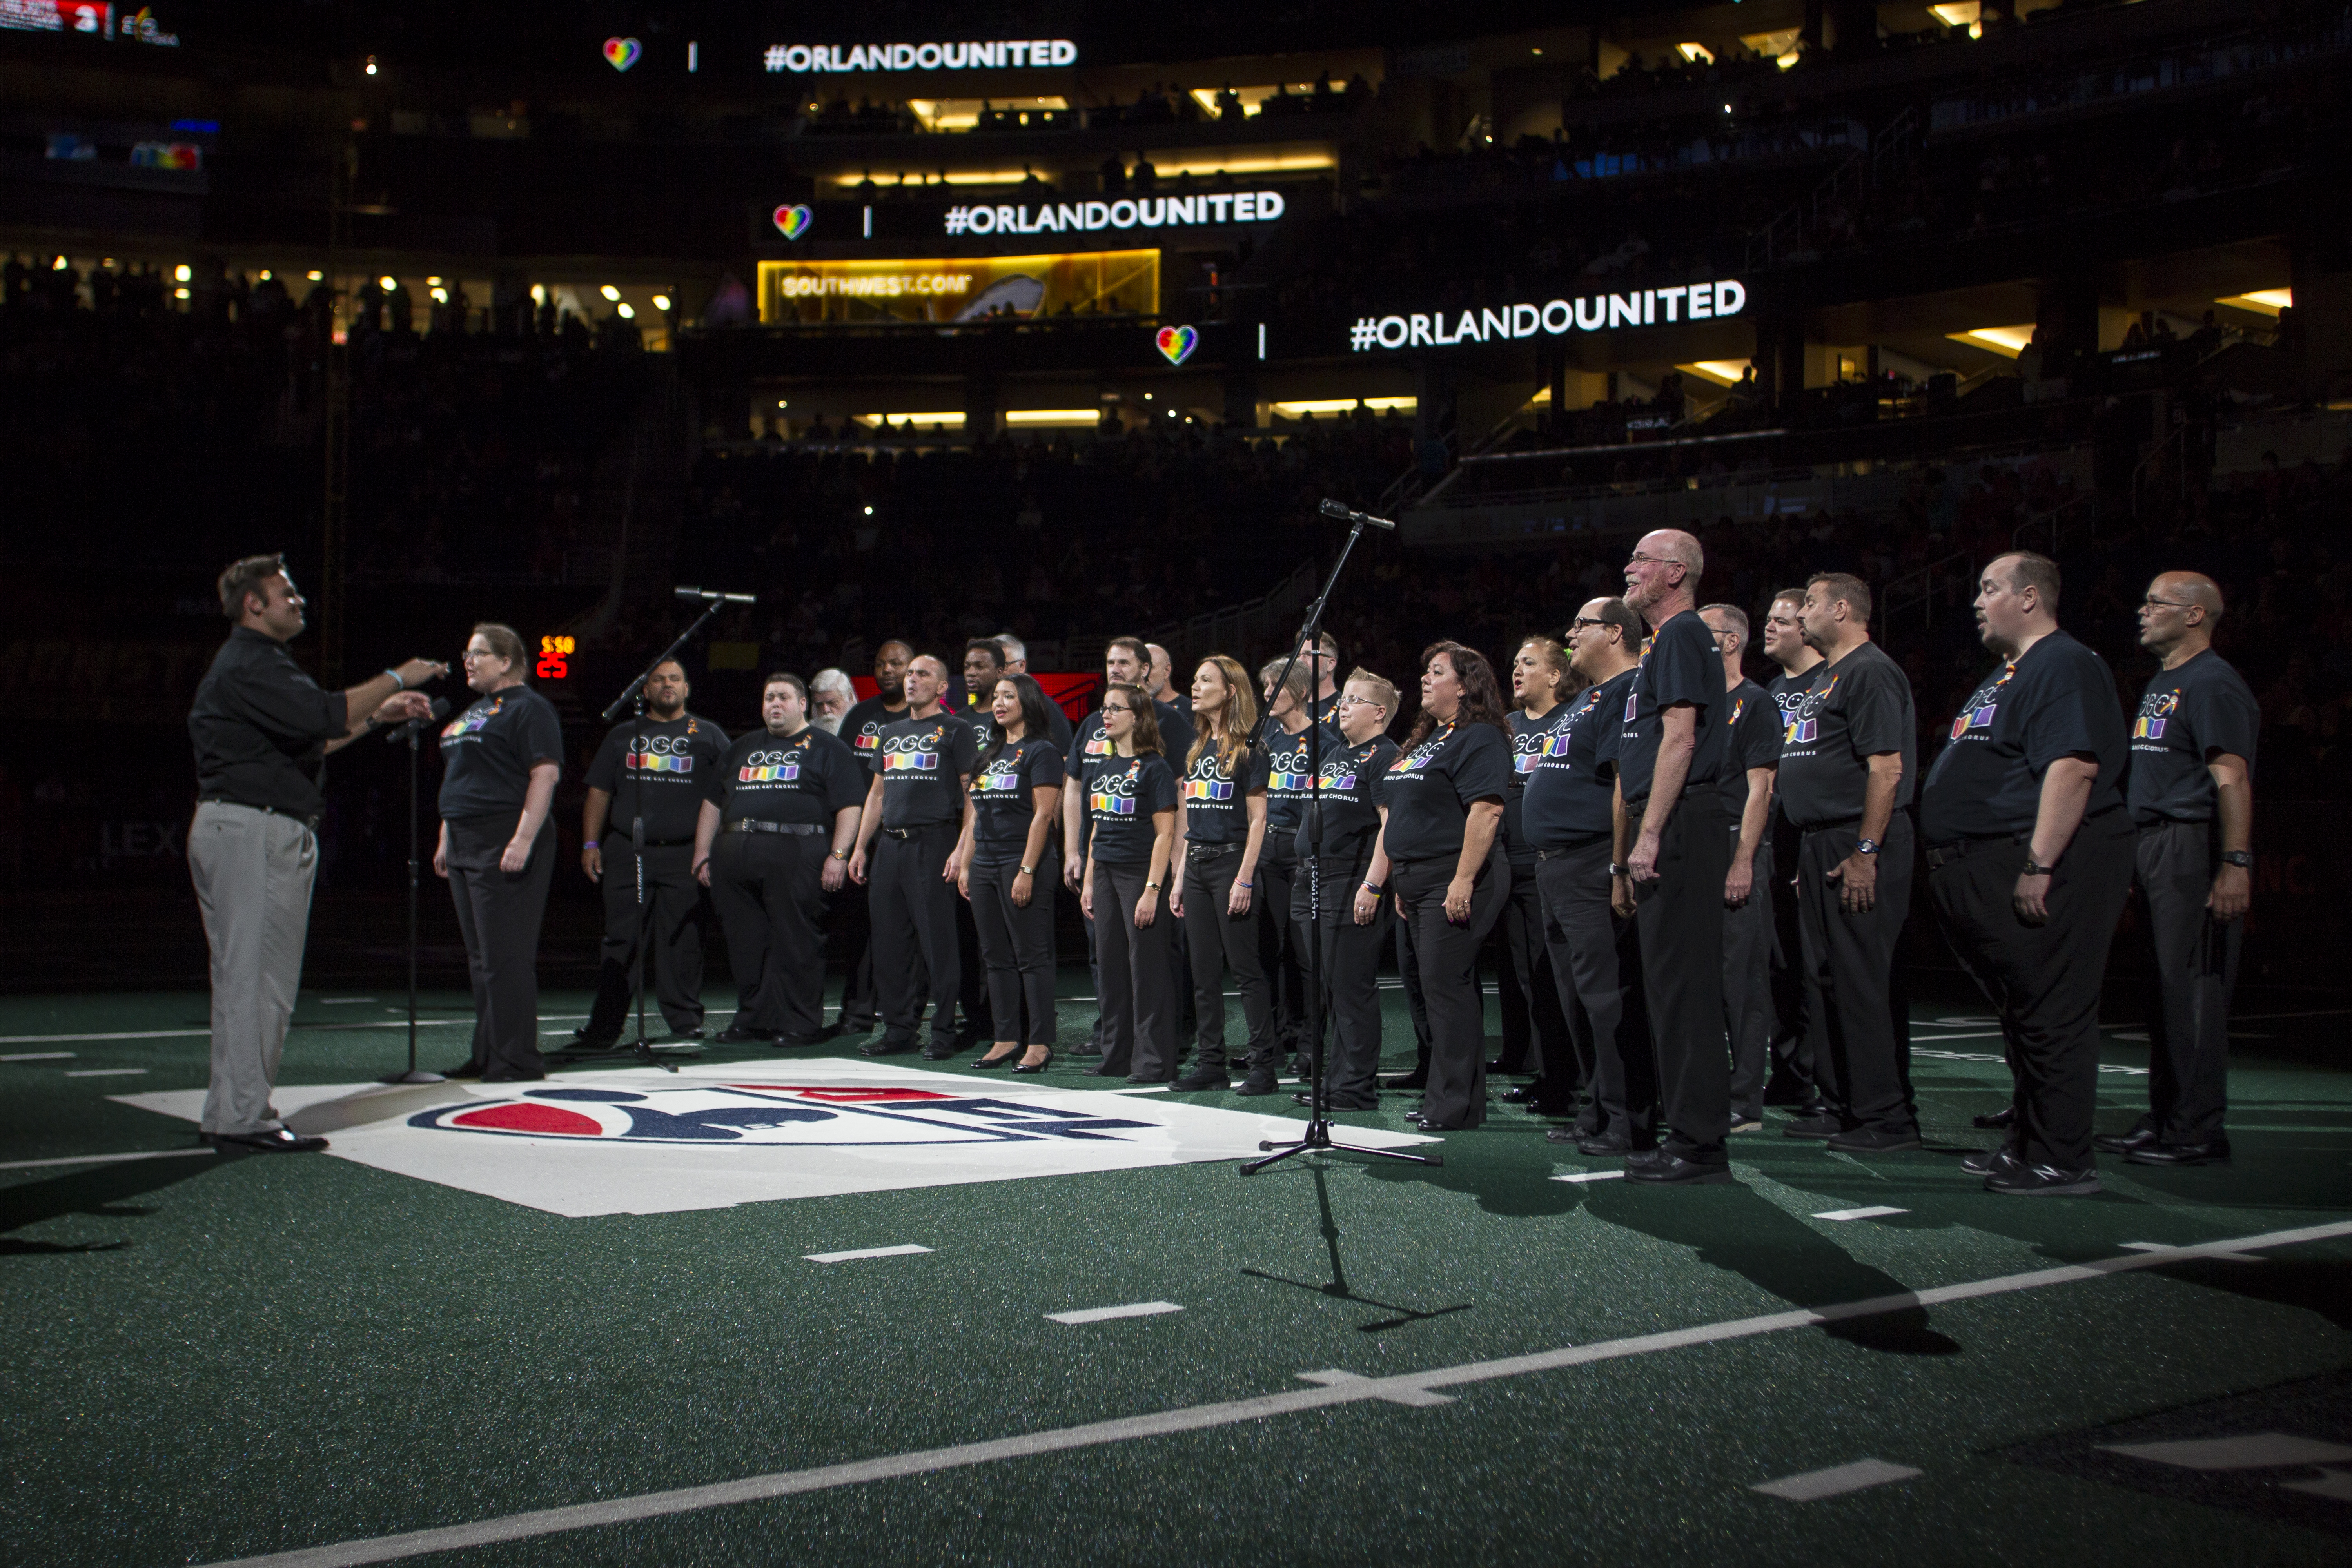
<point>1600,1144</point>
<point>1871,1141</point>
<point>734,1035</point>
<point>581,1040</point>
<point>1991,1162</point>
<point>1007,1059</point>
<point>1822,1126</point>
<point>693,1034</point>
<point>2141,1136</point>
<point>941,1050</point>
<point>2215,1153</point>
<point>1040,1065</point>
<point>1408,1080</point>
<point>886,1047</point>
<point>1673,1170</point>
<point>463,1070</point>
<point>274,1140</point>
<point>1201,1080</point>
<point>2005,1117</point>
<point>2024,1180</point>
<point>1259,1080</point>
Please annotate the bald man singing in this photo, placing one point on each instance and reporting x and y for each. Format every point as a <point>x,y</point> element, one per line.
<point>2191,793</point>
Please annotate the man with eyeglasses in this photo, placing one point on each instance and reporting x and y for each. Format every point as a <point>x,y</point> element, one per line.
<point>1677,854</point>
<point>1753,753</point>
<point>2193,795</point>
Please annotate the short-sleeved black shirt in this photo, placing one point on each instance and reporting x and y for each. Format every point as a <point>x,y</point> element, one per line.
<point>924,763</point>
<point>2188,716</point>
<point>1529,737</point>
<point>1004,800</point>
<point>1679,664</point>
<point>2056,700</point>
<point>658,767</point>
<point>1754,743</point>
<point>1089,746</point>
<point>1123,795</point>
<point>861,728</point>
<point>487,751</point>
<point>805,778</point>
<point>1432,787</point>
<point>1845,714</point>
<point>1355,785</point>
<point>1217,797</point>
<point>1572,795</point>
<point>261,727</point>
<point>1289,765</point>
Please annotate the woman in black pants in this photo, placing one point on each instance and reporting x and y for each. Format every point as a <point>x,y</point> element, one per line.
<point>1215,875</point>
<point>1445,803</point>
<point>1132,804</point>
<point>1007,839</point>
<point>1355,919</point>
<point>500,759</point>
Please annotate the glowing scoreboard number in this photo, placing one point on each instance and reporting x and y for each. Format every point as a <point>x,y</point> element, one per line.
<point>555,657</point>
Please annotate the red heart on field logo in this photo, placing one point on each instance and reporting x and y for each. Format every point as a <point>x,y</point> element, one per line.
<point>794,221</point>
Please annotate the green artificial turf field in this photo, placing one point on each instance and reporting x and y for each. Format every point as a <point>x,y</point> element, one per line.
<point>215,1358</point>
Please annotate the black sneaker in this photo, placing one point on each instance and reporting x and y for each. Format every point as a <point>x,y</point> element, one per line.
<point>1871,1141</point>
<point>275,1141</point>
<point>2024,1180</point>
<point>1261,1081</point>
<point>1992,1161</point>
<point>1204,1079</point>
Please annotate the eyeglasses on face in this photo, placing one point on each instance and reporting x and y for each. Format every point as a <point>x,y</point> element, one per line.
<point>1116,707</point>
<point>2153,603</point>
<point>1347,697</point>
<point>1638,558</point>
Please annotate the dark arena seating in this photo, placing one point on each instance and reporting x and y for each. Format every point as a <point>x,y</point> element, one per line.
<point>926,323</point>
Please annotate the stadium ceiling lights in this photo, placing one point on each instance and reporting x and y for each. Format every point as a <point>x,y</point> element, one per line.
<point>1045,418</point>
<point>1294,407</point>
<point>2006,341</point>
<point>1722,371</point>
<point>957,177</point>
<point>1968,14</point>
<point>2265,302</point>
<point>1278,163</point>
<point>941,421</point>
<point>963,113</point>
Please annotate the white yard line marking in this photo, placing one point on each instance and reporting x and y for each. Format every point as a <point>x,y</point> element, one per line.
<point>2253,1451</point>
<point>2163,1246</point>
<point>117,1034</point>
<point>1104,1315</point>
<point>39,1056</point>
<point>107,1072</point>
<point>1874,1211</point>
<point>102,1159</point>
<point>906,1251</point>
<point>1590,1176</point>
<point>1147,1089</point>
<point>1420,1398</point>
<point>1835,1482</point>
<point>1202,1417</point>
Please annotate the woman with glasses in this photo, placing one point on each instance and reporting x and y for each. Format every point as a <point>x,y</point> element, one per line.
<point>1441,850</point>
<point>1131,811</point>
<point>1007,842</point>
<point>1215,874</point>
<point>500,759</point>
<point>1341,867</point>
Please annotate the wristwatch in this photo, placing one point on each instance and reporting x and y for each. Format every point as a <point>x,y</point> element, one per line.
<point>838,854</point>
<point>1028,870</point>
<point>1616,870</point>
<point>2032,869</point>
<point>2240,857</point>
<point>1865,846</point>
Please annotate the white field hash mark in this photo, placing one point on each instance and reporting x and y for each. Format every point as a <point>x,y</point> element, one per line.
<point>1104,1314</point>
<point>906,1251</point>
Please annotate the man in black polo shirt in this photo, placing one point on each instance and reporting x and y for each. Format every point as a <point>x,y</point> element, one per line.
<point>2193,795</point>
<point>1847,760</point>
<point>1791,1081</point>
<point>861,727</point>
<point>261,729</point>
<point>1752,750</point>
<point>916,805</point>
<point>1671,753</point>
<point>2029,862</point>
<point>779,814</point>
<point>649,772</point>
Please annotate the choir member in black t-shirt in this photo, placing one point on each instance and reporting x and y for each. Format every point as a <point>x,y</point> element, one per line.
<point>1214,881</point>
<point>1344,868</point>
<point>500,759</point>
<point>915,812</point>
<point>778,817</point>
<point>1541,682</point>
<point>2193,795</point>
<point>1848,760</point>
<point>651,769</point>
<point>1677,854</point>
<point>861,727</point>
<point>1130,808</point>
<point>2029,863</point>
<point>1752,751</point>
<point>1792,1081</point>
<point>1441,844</point>
<point>1280,952</point>
<point>1006,860</point>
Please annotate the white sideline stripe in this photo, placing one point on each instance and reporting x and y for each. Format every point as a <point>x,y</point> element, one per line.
<point>1874,1212</point>
<point>1104,1315</point>
<point>2160,1246</point>
<point>1590,1176</point>
<point>1835,1482</point>
<point>192,1033</point>
<point>39,1056</point>
<point>1202,1417</point>
<point>107,1072</point>
<point>102,1159</point>
<point>907,1250</point>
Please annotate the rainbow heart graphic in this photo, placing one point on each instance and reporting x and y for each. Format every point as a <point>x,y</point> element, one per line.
<point>794,221</point>
<point>1177,342</point>
<point>622,53</point>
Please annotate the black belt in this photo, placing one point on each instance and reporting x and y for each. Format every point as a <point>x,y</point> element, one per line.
<point>1581,844</point>
<point>310,822</point>
<point>658,843</point>
<point>903,834</point>
<point>1831,825</point>
<point>753,824</point>
<point>1942,855</point>
<point>1210,851</point>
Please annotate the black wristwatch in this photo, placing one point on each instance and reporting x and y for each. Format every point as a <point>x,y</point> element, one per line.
<point>1865,846</point>
<point>2030,870</point>
<point>2240,858</point>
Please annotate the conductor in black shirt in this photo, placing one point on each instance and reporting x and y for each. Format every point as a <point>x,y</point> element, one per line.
<point>2029,862</point>
<point>262,730</point>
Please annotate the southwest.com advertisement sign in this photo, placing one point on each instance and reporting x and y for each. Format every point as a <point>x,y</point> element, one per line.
<point>1554,318</point>
<point>969,289</point>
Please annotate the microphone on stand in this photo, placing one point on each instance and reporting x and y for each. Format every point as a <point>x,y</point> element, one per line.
<point>712,596</point>
<point>1347,514</point>
<point>401,732</point>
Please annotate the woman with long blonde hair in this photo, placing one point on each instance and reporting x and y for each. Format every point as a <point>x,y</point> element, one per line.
<point>1215,875</point>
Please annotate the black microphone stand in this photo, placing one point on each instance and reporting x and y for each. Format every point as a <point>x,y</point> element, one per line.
<point>633,696</point>
<point>415,728</point>
<point>1317,1135</point>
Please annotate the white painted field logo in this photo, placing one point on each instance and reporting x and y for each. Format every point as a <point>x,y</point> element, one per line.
<point>771,1114</point>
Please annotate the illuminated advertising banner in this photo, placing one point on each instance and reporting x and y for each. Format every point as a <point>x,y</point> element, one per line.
<point>1085,217</point>
<point>90,18</point>
<point>966,289</point>
<point>810,59</point>
<point>1554,318</point>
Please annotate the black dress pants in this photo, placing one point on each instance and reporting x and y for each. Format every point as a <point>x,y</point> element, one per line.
<point>1140,1019</point>
<point>1681,917</point>
<point>2196,970</point>
<point>498,914</point>
<point>1792,1078</point>
<point>2042,980</point>
<point>1448,957</point>
<point>1857,1012</point>
<point>972,995</point>
<point>1535,1035</point>
<point>852,917</point>
<point>769,889</point>
<point>914,932</point>
<point>1351,978</point>
<point>1597,958</point>
<point>1016,948</point>
<point>1281,959</point>
<point>1218,942</point>
<point>671,915</point>
<point>1748,986</point>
